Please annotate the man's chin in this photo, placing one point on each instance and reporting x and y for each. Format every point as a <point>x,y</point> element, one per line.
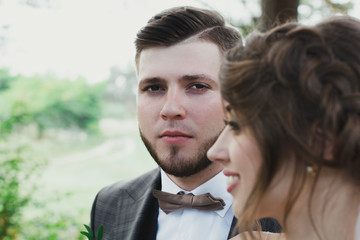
<point>175,163</point>
<point>185,170</point>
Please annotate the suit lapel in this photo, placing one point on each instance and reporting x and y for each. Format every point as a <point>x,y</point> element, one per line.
<point>233,231</point>
<point>147,211</point>
<point>146,224</point>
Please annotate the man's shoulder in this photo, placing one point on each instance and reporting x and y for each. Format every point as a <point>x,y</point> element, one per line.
<point>119,206</point>
<point>132,187</point>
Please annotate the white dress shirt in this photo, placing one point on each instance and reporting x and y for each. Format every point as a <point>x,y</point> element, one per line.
<point>190,224</point>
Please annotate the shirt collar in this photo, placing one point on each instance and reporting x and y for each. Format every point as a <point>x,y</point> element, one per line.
<point>216,186</point>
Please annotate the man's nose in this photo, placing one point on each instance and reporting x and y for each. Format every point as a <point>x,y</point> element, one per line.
<point>173,107</point>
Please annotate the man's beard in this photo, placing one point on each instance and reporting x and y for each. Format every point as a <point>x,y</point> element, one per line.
<point>181,166</point>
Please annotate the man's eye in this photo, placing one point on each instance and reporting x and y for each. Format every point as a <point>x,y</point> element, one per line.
<point>153,88</point>
<point>199,86</point>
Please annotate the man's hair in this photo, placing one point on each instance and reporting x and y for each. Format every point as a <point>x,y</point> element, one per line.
<point>293,87</point>
<point>177,24</point>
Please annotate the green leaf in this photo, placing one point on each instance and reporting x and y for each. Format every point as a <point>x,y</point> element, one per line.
<point>100,232</point>
<point>85,234</point>
<point>90,234</point>
<point>88,229</point>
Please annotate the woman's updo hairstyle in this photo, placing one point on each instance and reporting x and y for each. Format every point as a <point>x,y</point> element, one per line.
<point>298,90</point>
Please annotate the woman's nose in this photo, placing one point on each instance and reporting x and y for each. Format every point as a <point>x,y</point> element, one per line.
<point>219,151</point>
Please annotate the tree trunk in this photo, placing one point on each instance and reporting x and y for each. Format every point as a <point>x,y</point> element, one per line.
<point>275,12</point>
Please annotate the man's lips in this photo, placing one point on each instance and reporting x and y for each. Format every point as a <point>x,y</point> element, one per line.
<point>175,136</point>
<point>233,179</point>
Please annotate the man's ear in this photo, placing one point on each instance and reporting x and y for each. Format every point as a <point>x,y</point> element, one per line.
<point>322,143</point>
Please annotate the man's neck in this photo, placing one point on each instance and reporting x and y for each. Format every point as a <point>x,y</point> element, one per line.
<point>191,182</point>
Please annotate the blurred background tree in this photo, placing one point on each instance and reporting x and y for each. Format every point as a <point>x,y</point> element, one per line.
<point>274,12</point>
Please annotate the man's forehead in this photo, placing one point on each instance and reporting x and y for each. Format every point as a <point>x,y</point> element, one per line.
<point>194,40</point>
<point>194,58</point>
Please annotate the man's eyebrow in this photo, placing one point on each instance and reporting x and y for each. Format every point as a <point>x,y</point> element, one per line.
<point>184,78</point>
<point>202,77</point>
<point>152,80</point>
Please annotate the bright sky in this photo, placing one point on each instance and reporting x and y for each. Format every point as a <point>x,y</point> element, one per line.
<point>86,37</point>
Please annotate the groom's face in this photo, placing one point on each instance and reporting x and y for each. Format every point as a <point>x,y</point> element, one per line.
<point>179,105</point>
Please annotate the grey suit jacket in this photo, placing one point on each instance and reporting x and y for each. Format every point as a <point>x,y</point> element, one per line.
<point>128,210</point>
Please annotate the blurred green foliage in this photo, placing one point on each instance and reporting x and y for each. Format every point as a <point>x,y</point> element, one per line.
<point>50,226</point>
<point>18,171</point>
<point>48,102</point>
<point>11,199</point>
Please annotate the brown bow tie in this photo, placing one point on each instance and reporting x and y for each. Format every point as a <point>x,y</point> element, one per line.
<point>170,202</point>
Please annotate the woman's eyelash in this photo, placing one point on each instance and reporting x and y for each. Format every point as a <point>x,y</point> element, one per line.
<point>234,125</point>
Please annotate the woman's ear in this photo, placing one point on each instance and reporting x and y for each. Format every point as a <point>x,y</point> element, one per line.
<point>322,143</point>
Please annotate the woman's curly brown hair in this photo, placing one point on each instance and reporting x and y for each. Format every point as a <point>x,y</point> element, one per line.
<point>292,84</point>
